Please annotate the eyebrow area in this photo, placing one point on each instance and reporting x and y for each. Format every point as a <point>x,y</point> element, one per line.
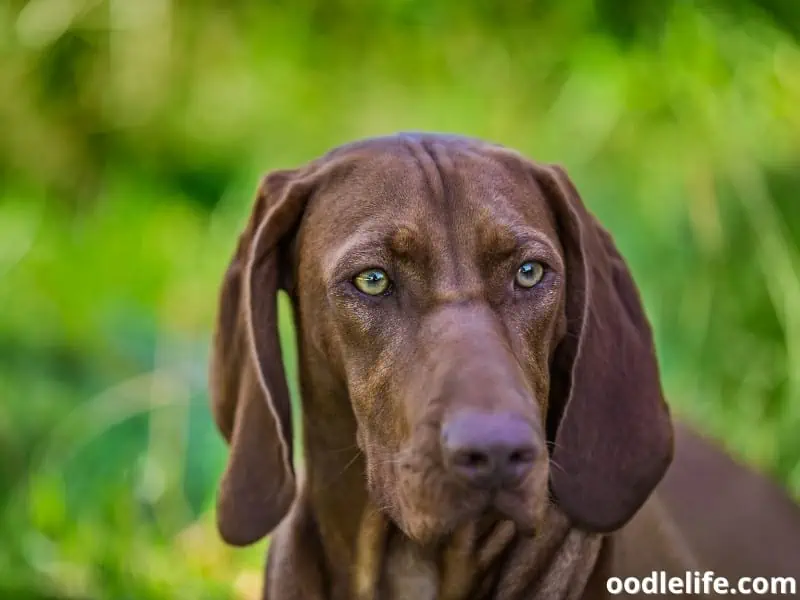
<point>501,241</point>
<point>402,243</point>
<point>405,243</point>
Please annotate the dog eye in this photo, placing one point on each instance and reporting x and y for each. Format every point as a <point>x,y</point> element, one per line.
<point>529,274</point>
<point>372,282</point>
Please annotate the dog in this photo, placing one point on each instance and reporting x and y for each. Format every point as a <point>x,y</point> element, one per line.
<point>482,409</point>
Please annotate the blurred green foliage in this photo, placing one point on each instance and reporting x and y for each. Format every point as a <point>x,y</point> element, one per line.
<point>133,135</point>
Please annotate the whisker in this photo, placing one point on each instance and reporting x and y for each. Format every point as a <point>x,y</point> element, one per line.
<point>552,445</point>
<point>558,466</point>
<point>350,463</point>
<point>346,448</point>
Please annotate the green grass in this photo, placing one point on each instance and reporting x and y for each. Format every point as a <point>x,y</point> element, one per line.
<point>136,135</point>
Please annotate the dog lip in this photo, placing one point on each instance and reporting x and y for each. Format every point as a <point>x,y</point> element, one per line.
<point>502,506</point>
<point>516,508</point>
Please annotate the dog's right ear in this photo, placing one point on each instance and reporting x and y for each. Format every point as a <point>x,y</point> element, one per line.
<point>249,392</point>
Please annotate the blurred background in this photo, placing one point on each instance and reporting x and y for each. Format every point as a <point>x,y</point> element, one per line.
<point>133,136</point>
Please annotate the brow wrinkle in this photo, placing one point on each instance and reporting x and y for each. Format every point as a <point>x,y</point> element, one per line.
<point>496,241</point>
<point>406,243</point>
<point>428,166</point>
<point>375,245</point>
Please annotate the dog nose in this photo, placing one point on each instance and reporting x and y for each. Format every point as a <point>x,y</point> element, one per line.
<point>489,449</point>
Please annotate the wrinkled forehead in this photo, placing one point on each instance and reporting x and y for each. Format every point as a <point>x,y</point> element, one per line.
<point>426,198</point>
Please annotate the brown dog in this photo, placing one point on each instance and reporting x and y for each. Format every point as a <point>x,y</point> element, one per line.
<point>482,411</point>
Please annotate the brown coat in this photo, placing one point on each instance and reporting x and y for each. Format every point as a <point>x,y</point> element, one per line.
<point>482,410</point>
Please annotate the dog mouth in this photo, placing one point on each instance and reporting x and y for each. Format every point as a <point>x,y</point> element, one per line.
<point>523,503</point>
<point>524,512</point>
<point>431,502</point>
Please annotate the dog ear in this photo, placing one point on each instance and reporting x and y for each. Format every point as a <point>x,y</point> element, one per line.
<point>249,392</point>
<point>613,431</point>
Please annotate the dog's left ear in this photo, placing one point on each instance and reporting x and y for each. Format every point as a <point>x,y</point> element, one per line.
<point>614,437</point>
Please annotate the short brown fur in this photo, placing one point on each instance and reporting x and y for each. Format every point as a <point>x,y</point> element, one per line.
<point>376,514</point>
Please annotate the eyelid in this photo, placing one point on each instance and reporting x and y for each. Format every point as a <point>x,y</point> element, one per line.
<point>362,250</point>
<point>348,267</point>
<point>534,261</point>
<point>525,256</point>
<point>353,272</point>
<point>371,270</point>
<point>541,253</point>
<point>543,264</point>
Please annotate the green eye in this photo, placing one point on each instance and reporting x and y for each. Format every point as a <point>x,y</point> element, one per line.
<point>373,282</point>
<point>529,274</point>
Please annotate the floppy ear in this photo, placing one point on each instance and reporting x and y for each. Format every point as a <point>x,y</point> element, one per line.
<point>613,441</point>
<point>249,393</point>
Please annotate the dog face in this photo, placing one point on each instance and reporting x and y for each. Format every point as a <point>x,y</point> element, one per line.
<point>434,278</point>
<point>471,310</point>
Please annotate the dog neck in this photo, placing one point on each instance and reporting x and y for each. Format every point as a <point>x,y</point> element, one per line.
<point>482,559</point>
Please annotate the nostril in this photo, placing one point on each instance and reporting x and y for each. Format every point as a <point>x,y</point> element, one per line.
<point>488,449</point>
<point>521,457</point>
<point>471,459</point>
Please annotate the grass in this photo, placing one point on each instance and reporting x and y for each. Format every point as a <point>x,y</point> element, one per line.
<point>131,149</point>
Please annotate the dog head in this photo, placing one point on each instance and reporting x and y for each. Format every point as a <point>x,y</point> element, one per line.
<point>489,338</point>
